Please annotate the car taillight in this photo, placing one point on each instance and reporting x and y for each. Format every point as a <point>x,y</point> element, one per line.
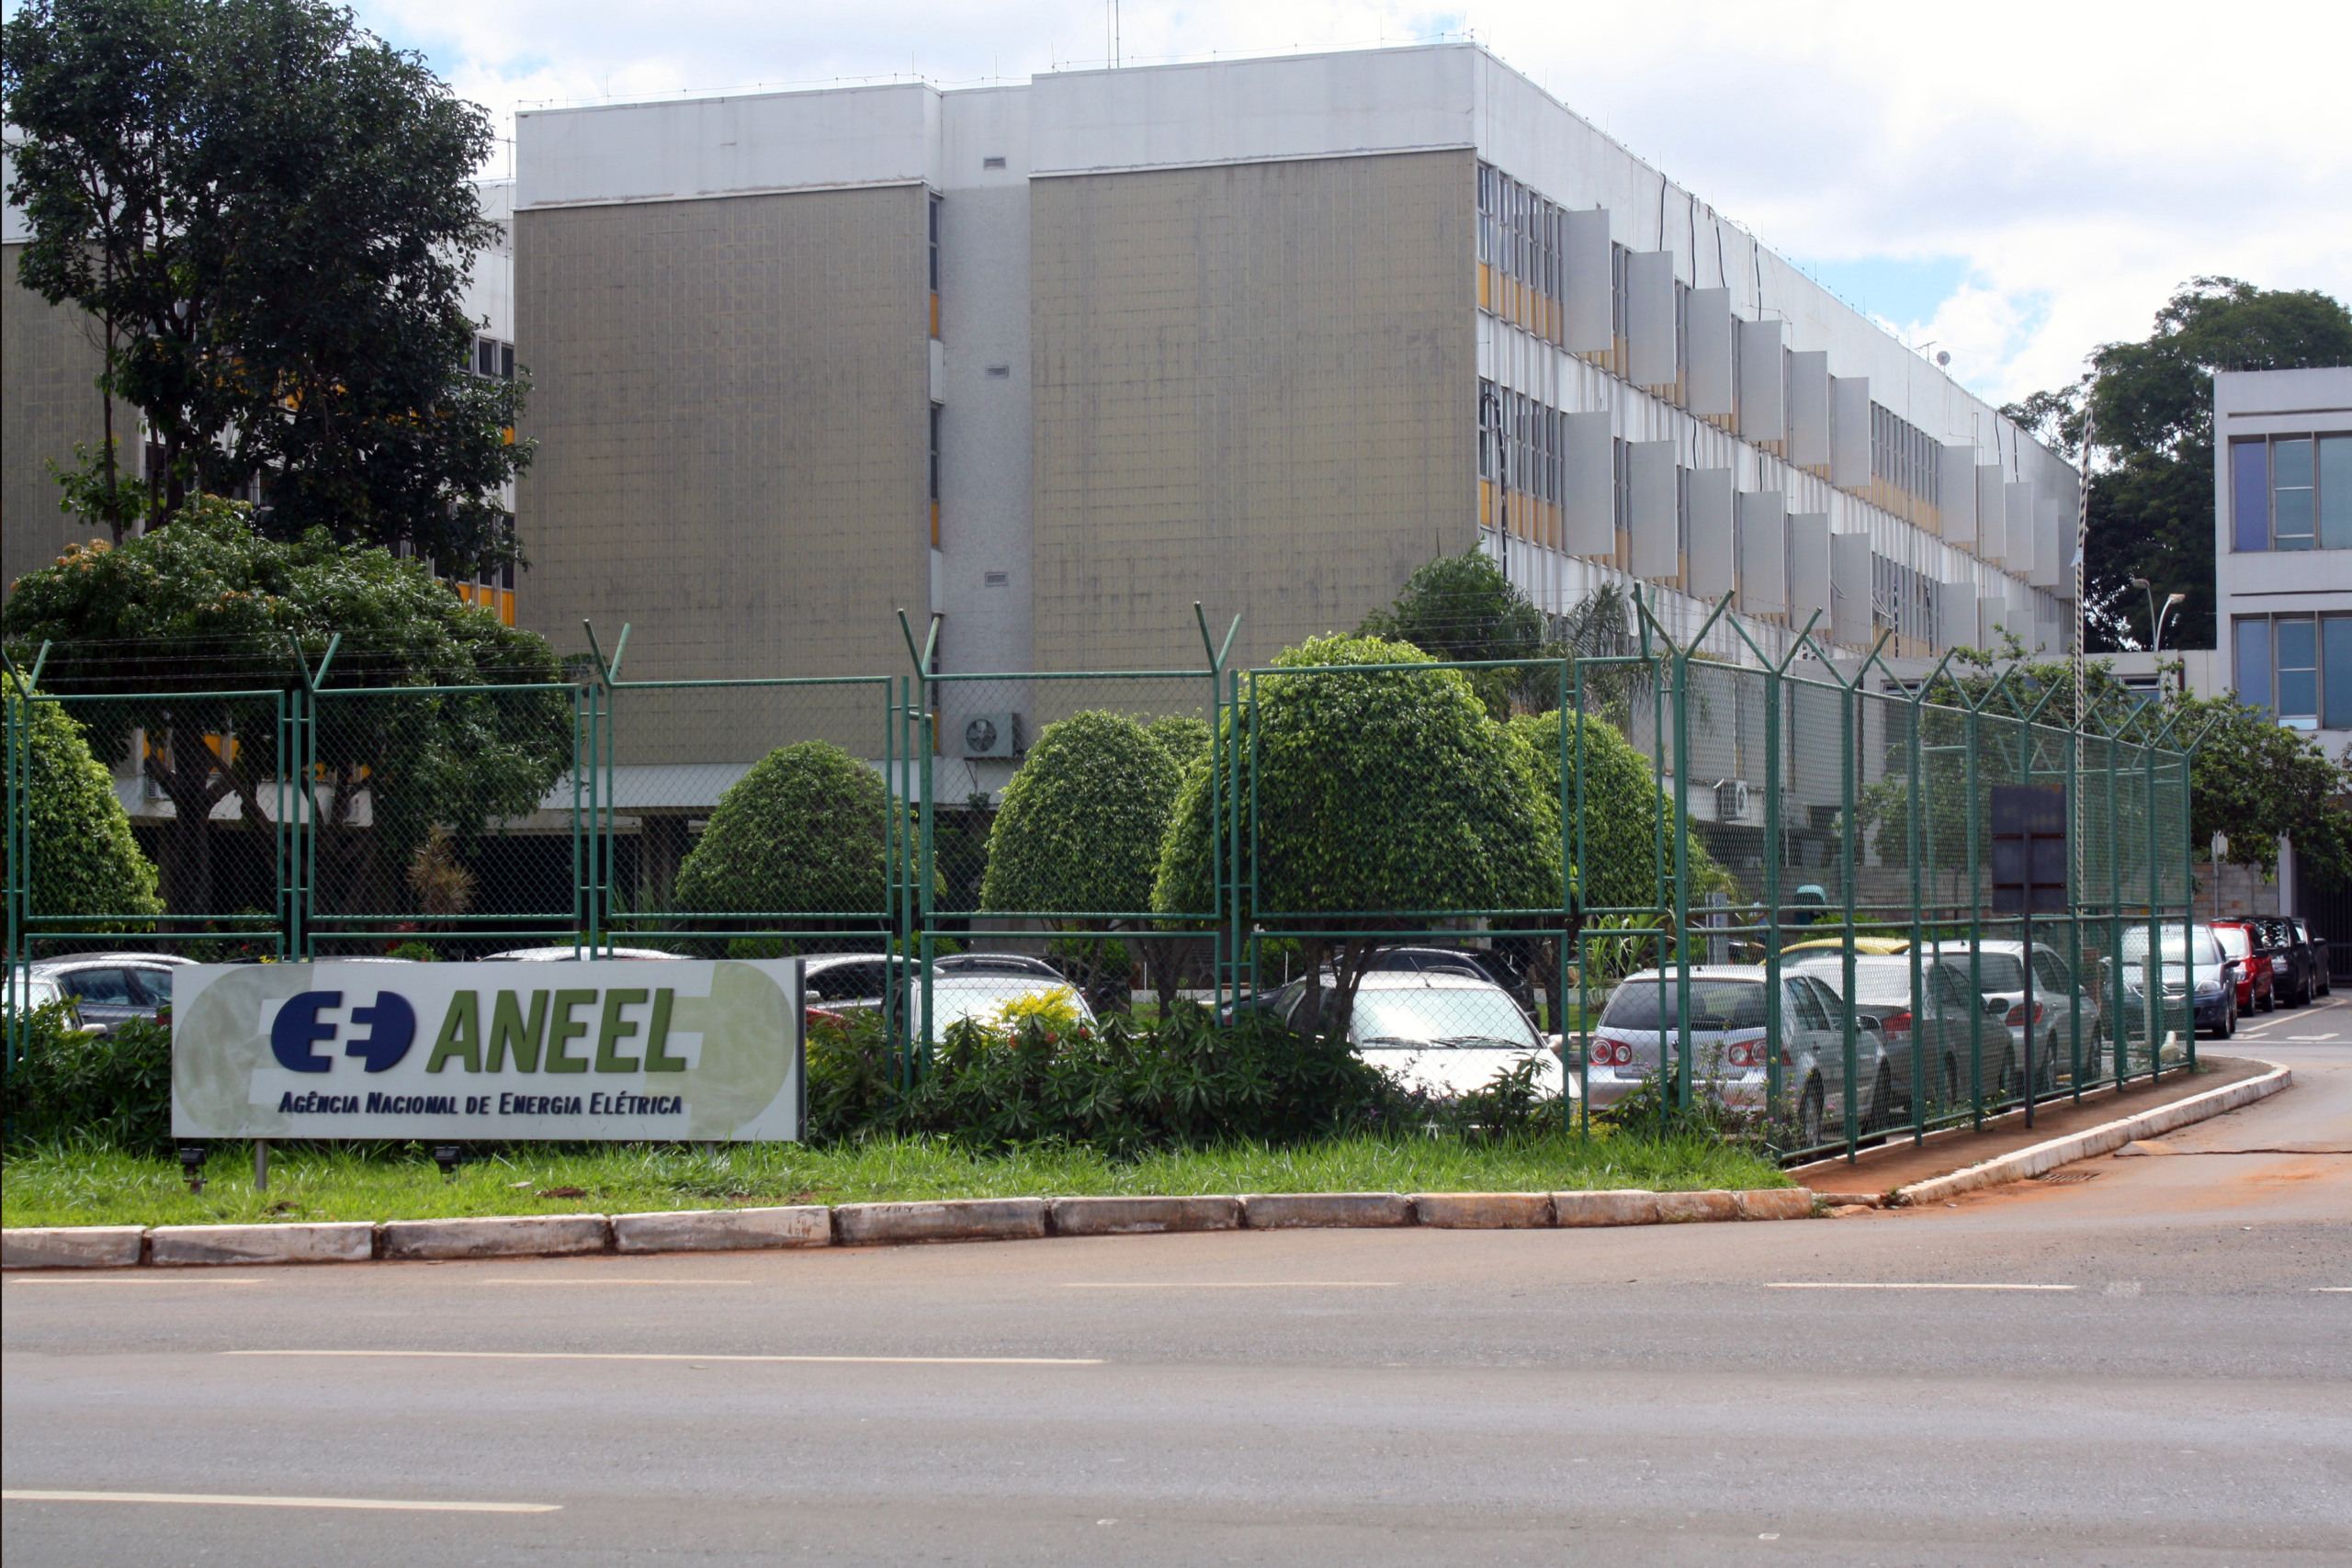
<point>1612,1052</point>
<point>1750,1054</point>
<point>822,1015</point>
<point>2017,1013</point>
<point>1896,1023</point>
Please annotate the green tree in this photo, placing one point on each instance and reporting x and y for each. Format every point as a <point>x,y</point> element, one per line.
<point>1375,791</point>
<point>2151,510</point>
<point>206,606</point>
<point>802,833</point>
<point>83,861</point>
<point>1078,834</point>
<point>270,212</point>
<point>1462,609</point>
<point>1184,736</point>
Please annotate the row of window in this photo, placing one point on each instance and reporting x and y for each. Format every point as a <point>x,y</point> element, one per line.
<point>1523,464</point>
<point>2299,667</point>
<point>1902,600</point>
<point>494,358</point>
<point>1907,467</point>
<point>2292,493</point>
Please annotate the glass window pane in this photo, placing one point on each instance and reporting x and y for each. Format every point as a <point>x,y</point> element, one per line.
<point>2335,673</point>
<point>2290,463</point>
<point>2254,661</point>
<point>2250,494</point>
<point>2291,520</point>
<point>2298,670</point>
<point>2335,492</point>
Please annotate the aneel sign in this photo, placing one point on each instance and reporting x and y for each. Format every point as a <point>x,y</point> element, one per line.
<point>686,1050</point>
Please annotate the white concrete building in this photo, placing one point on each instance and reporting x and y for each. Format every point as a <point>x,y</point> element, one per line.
<point>1264,333</point>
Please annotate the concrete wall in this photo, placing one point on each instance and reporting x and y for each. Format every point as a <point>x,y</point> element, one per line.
<point>1253,386</point>
<point>49,360</point>
<point>729,398</point>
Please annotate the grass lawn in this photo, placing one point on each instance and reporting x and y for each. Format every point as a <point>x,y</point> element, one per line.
<point>91,1187</point>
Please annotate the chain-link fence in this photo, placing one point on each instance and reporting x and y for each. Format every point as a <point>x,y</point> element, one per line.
<point>1772,891</point>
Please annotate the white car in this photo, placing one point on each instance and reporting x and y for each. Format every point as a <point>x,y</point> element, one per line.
<point>981,997</point>
<point>1442,1034</point>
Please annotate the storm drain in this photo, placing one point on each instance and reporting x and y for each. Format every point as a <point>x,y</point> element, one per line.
<point>2062,1177</point>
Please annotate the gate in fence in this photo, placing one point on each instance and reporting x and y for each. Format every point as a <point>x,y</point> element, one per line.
<point>1758,882</point>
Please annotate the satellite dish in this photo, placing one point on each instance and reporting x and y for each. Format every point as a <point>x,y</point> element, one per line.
<point>1943,357</point>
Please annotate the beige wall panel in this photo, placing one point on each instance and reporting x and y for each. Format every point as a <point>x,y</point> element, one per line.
<point>1254,386</point>
<point>48,366</point>
<point>730,399</point>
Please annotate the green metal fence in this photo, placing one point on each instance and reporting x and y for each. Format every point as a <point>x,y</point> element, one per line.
<point>1717,874</point>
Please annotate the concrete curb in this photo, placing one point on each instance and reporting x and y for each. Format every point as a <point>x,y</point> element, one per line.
<point>1483,1211</point>
<point>71,1246</point>
<point>503,1235</point>
<point>955,1219</point>
<point>724,1230</point>
<point>869,1225</point>
<point>1132,1216</point>
<point>346,1241</point>
<point>2019,1165</point>
<point>1325,1210</point>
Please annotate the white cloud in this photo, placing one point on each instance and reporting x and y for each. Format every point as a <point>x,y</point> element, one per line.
<point>2083,159</point>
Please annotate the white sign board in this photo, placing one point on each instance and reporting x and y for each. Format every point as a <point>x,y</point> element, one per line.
<point>476,1052</point>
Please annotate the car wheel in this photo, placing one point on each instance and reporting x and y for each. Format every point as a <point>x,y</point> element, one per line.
<point>1809,1116</point>
<point>2230,1020</point>
<point>1881,1101</point>
<point>2269,1000</point>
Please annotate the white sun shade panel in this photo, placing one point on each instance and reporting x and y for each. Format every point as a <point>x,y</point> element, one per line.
<point>2017,506</point>
<point>2054,559</point>
<point>1763,385</point>
<point>1590,515</point>
<point>1656,511</point>
<point>1955,614</point>
<point>1707,315</point>
<point>1651,359</point>
<point>1763,552</point>
<point>1849,431</point>
<point>1591,324</point>
<point>1710,563</point>
<point>1849,590</point>
<point>1808,564</point>
<point>1992,514</point>
<point>1956,483</point>
<point>1809,410</point>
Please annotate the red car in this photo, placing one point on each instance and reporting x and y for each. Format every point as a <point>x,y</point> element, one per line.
<point>2257,981</point>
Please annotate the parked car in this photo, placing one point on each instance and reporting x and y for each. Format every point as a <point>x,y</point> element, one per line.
<point>2256,980</point>
<point>1937,1029</point>
<point>2322,960</point>
<point>1436,1031</point>
<point>108,988</point>
<point>2290,959</point>
<point>1863,943</point>
<point>1728,1044</point>
<point>2197,964</point>
<point>980,996</point>
<point>2058,995</point>
<point>568,954</point>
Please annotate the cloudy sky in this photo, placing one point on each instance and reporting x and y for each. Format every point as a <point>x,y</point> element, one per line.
<point>2014,181</point>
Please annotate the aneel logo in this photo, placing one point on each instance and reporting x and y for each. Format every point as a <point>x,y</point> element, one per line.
<point>392,1030</point>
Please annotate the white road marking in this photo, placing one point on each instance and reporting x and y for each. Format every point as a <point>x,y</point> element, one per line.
<point>2334,1290</point>
<point>142,1278</point>
<point>619,1282</point>
<point>1877,1285</point>
<point>1228,1284</point>
<point>401,1505</point>
<point>649,1356</point>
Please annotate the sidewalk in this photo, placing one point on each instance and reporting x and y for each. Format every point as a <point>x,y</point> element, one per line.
<point>1902,1162</point>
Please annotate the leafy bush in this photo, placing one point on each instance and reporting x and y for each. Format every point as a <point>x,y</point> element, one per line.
<point>83,860</point>
<point>88,1088</point>
<point>1184,1082</point>
<point>800,833</point>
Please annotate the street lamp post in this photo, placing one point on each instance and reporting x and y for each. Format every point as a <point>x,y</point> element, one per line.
<point>2156,618</point>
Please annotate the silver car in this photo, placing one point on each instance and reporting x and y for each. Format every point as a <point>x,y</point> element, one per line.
<point>110,988</point>
<point>1728,1044</point>
<point>2057,993</point>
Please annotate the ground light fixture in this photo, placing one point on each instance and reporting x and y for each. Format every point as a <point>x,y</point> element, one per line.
<point>447,1156</point>
<point>192,1158</point>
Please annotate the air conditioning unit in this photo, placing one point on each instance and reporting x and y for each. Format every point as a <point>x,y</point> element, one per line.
<point>1731,800</point>
<point>992,734</point>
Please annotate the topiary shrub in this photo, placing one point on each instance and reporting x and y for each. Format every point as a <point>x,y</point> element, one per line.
<point>800,834</point>
<point>75,1087</point>
<point>83,860</point>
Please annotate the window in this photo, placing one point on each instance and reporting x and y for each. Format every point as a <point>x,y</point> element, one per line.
<point>935,411</point>
<point>2292,493</point>
<point>2297,666</point>
<point>935,244</point>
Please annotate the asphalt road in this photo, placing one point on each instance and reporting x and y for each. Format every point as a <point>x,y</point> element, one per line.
<point>2177,1388</point>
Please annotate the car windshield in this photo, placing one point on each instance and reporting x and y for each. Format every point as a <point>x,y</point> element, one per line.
<point>100,988</point>
<point>1878,982</point>
<point>1715,1004</point>
<point>2234,943</point>
<point>2209,944</point>
<point>1440,1015</point>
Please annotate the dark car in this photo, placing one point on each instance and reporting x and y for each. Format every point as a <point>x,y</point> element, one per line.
<point>2291,960</point>
<point>2323,961</point>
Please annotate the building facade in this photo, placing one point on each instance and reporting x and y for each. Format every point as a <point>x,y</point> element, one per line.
<point>1046,364</point>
